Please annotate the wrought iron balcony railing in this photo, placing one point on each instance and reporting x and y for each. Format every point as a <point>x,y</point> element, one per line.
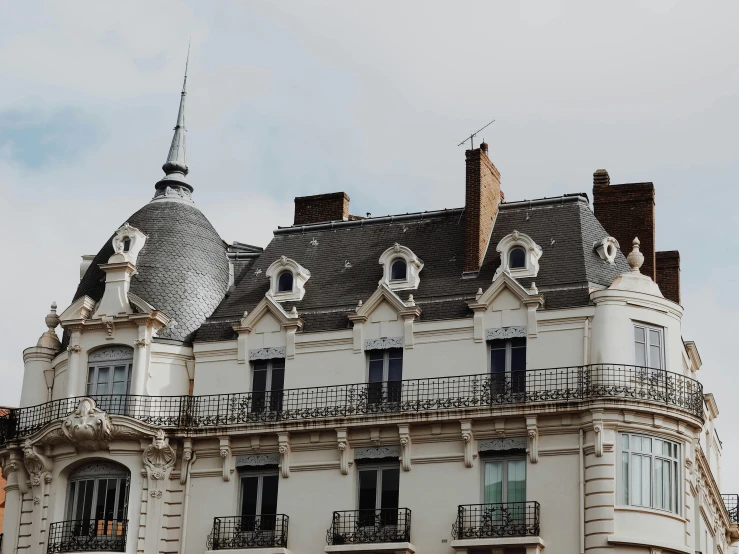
<point>563,384</point>
<point>510,519</point>
<point>731,501</point>
<point>370,526</point>
<point>88,535</point>
<point>263,531</point>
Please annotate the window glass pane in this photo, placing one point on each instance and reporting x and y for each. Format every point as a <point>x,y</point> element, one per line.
<point>122,499</point>
<point>518,365</point>
<point>493,482</point>
<point>285,282</point>
<point>102,384</point>
<point>655,357</point>
<point>390,488</point>
<point>640,358</point>
<point>516,481</point>
<point>497,356</point>
<point>249,490</point>
<point>658,484</point>
<point>111,490</point>
<point>636,484</point>
<point>84,508</point>
<point>625,442</point>
<point>367,489</point>
<point>625,477</point>
<point>119,387</point>
<point>517,258</point>
<point>639,334</point>
<point>646,480</point>
<point>646,444</point>
<point>278,379</point>
<point>269,494</point>
<point>398,270</point>
<point>395,365</point>
<point>666,484</point>
<point>91,380</point>
<point>375,370</point>
<point>278,363</point>
<point>260,380</point>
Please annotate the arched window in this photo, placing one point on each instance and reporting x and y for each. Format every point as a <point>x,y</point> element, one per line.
<point>109,377</point>
<point>97,506</point>
<point>126,244</point>
<point>517,258</point>
<point>399,270</point>
<point>285,282</point>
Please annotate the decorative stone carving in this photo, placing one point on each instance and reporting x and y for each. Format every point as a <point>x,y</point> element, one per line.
<point>502,445</point>
<point>141,343</point>
<point>468,440</point>
<point>607,249</point>
<point>98,468</point>
<point>257,460</point>
<point>405,446</point>
<point>180,193</point>
<point>283,441</point>
<point>159,459</point>
<point>267,353</point>
<point>533,253</point>
<point>414,265</point>
<point>532,430</point>
<point>342,443</point>
<point>117,353</point>
<point>186,457</point>
<point>505,333</point>
<point>225,452</point>
<point>74,348</point>
<point>37,465</point>
<point>88,426</point>
<point>383,343</point>
<point>376,452</point>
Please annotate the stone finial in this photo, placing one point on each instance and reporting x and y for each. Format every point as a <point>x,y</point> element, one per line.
<point>49,338</point>
<point>601,177</point>
<point>411,301</point>
<point>635,258</point>
<point>533,289</point>
<point>52,320</point>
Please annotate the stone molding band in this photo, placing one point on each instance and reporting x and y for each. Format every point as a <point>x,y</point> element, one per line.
<point>267,353</point>
<point>505,333</point>
<point>384,343</point>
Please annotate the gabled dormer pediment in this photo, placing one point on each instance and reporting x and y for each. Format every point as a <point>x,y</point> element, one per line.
<point>79,310</point>
<point>509,295</point>
<point>383,307</point>
<point>268,307</point>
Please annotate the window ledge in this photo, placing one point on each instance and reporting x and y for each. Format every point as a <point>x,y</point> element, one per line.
<point>387,547</point>
<point>650,511</point>
<point>633,541</point>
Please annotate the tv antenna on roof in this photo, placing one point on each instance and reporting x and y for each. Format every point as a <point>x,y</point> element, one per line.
<point>471,138</point>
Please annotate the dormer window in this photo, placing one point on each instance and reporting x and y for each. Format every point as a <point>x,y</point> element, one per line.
<point>517,258</point>
<point>607,249</point>
<point>400,268</point>
<point>519,255</point>
<point>287,280</point>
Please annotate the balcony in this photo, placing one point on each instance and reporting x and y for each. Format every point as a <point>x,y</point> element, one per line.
<point>386,530</point>
<point>731,501</point>
<point>266,532</point>
<point>511,524</point>
<point>468,392</point>
<point>87,535</point>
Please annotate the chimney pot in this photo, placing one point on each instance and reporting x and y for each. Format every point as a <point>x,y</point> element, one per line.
<point>484,147</point>
<point>601,177</point>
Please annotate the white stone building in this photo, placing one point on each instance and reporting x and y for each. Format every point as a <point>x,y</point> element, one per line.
<point>497,378</point>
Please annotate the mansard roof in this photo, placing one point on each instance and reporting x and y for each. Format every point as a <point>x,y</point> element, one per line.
<point>343,259</point>
<point>182,269</point>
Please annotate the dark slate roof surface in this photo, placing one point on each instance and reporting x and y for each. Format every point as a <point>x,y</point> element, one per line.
<point>344,265</point>
<point>182,269</point>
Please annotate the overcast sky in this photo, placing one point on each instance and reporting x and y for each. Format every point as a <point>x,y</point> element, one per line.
<point>371,98</point>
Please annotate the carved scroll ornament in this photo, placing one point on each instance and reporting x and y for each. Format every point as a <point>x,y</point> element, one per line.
<point>88,426</point>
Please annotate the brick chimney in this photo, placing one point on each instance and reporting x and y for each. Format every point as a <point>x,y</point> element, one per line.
<point>668,274</point>
<point>627,211</point>
<point>321,207</point>
<point>482,197</point>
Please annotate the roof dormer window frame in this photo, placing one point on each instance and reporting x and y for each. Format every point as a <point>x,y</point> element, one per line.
<point>299,274</point>
<point>533,252</point>
<point>413,267</point>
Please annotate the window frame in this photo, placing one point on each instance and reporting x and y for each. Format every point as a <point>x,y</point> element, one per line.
<point>488,458</point>
<point>123,477</point>
<point>625,492</point>
<point>385,391</point>
<point>394,261</point>
<point>525,265</point>
<point>378,468</point>
<point>260,473</point>
<point>292,282</point>
<point>509,372</point>
<point>267,399</point>
<point>647,345</point>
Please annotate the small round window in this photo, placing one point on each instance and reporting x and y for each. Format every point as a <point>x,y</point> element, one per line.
<point>517,258</point>
<point>398,271</point>
<point>285,282</point>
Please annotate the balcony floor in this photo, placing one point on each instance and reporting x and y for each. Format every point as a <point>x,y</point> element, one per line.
<point>533,545</point>
<point>373,548</point>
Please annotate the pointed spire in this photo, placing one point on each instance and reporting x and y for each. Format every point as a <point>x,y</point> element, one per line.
<point>175,167</point>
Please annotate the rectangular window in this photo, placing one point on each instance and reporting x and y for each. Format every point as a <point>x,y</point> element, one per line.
<point>505,483</point>
<point>508,365</point>
<point>110,384</point>
<point>259,501</point>
<point>267,385</point>
<point>649,348</point>
<point>385,376</point>
<point>379,488</point>
<point>649,473</point>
